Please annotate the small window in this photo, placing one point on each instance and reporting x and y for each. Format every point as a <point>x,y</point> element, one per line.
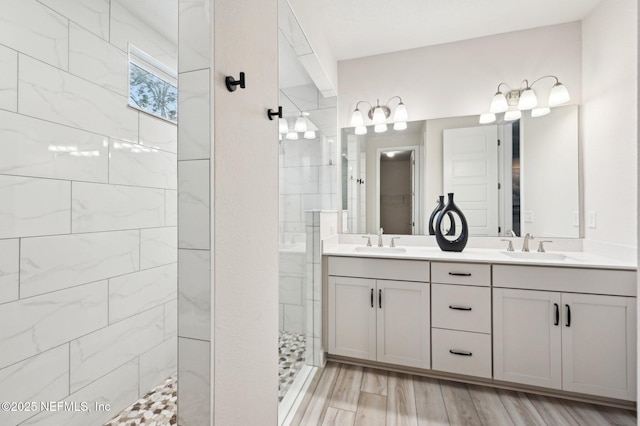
<point>153,87</point>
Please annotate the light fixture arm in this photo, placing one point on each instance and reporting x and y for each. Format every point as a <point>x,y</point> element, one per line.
<point>546,76</point>
<point>498,89</point>
<point>392,98</point>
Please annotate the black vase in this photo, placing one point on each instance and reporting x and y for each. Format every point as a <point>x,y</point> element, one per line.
<point>459,243</point>
<point>434,216</point>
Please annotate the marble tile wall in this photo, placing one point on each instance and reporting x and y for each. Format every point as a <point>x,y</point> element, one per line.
<point>88,213</point>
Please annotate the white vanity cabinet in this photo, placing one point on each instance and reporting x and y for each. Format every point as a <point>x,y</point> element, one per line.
<point>374,315</point>
<point>551,330</point>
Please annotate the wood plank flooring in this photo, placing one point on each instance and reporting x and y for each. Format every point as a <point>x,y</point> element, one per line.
<point>347,395</point>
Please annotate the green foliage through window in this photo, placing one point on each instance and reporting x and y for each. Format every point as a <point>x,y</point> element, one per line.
<point>152,94</point>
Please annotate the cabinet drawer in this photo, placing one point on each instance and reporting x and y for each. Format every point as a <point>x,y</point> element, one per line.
<point>385,269</point>
<point>461,273</point>
<point>461,352</point>
<point>461,307</point>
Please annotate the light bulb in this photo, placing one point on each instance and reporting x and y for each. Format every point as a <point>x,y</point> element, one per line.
<point>310,134</point>
<point>391,154</point>
<point>378,116</point>
<point>488,117</point>
<point>499,103</point>
<point>400,125</point>
<point>292,136</point>
<point>558,95</point>
<point>512,115</point>
<point>356,118</point>
<point>528,99</point>
<point>379,128</point>
<point>283,127</point>
<point>301,125</point>
<point>539,112</point>
<point>401,113</point>
<point>361,130</point>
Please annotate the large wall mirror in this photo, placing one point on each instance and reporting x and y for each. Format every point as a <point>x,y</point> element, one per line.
<point>510,178</point>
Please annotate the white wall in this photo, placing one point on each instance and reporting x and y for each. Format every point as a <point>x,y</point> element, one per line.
<point>88,240</point>
<point>609,115</point>
<point>458,79</point>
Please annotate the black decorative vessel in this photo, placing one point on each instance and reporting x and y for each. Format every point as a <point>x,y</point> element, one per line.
<point>434,217</point>
<point>459,243</point>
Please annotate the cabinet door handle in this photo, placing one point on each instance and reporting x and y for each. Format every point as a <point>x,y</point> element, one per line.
<point>459,352</point>
<point>380,299</point>
<point>460,274</point>
<point>568,315</point>
<point>372,298</point>
<point>460,308</point>
<point>557,321</point>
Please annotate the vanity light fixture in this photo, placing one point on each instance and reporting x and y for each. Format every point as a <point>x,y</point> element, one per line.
<point>301,125</point>
<point>512,102</point>
<point>378,115</point>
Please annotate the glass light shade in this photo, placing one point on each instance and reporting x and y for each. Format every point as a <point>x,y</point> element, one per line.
<point>283,126</point>
<point>310,134</point>
<point>499,103</point>
<point>301,125</point>
<point>391,154</point>
<point>528,100</point>
<point>279,136</point>
<point>378,116</point>
<point>400,125</point>
<point>512,115</point>
<point>539,112</point>
<point>400,113</point>
<point>292,136</point>
<point>379,128</point>
<point>558,95</point>
<point>361,130</point>
<point>356,118</point>
<point>488,117</point>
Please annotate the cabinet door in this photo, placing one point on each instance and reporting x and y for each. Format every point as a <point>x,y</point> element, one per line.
<point>403,323</point>
<point>599,345</point>
<point>352,317</point>
<point>526,339</point>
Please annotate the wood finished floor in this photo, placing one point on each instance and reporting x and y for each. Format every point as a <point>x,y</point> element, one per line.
<point>347,395</point>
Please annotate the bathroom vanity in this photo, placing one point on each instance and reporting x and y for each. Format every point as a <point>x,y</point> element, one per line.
<point>556,323</point>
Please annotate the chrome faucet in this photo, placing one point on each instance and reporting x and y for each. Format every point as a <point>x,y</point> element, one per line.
<point>525,245</point>
<point>510,233</point>
<point>380,237</point>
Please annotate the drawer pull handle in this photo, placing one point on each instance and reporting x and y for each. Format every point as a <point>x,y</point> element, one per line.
<point>372,298</point>
<point>557,321</point>
<point>568,315</point>
<point>460,274</point>
<point>380,299</point>
<point>460,308</point>
<point>458,352</point>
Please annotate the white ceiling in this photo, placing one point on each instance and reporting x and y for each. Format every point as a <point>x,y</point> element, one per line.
<point>357,28</point>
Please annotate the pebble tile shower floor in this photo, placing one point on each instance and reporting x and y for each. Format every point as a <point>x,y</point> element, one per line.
<point>158,407</point>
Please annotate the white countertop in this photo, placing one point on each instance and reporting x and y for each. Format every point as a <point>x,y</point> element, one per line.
<point>486,255</point>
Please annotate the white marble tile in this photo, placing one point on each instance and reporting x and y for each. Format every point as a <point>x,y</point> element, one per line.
<point>139,165</point>
<point>158,133</point>
<point>94,355</point>
<point>291,290</point>
<point>158,246</point>
<point>44,377</point>
<point>51,94</point>
<point>157,364</point>
<point>292,264</point>
<point>194,294</point>
<point>32,28</point>
<point>127,28</point>
<point>317,318</point>
<point>193,204</point>
<point>194,131</point>
<point>9,270</point>
<point>139,291</point>
<point>194,370</point>
<point>171,208</point>
<point>119,389</point>
<point>294,318</point>
<point>281,317</point>
<point>310,182</point>
<point>33,147</point>
<point>8,79</point>
<point>95,59</point>
<point>53,263</point>
<point>327,179</point>
<point>93,15</point>
<point>291,180</point>
<point>291,30</point>
<point>291,208</point>
<point>33,325</point>
<point>317,282</point>
<point>195,34</point>
<point>33,206</point>
<point>171,319</point>
<point>99,207</point>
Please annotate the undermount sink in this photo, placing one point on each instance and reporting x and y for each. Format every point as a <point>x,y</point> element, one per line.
<point>534,255</point>
<point>365,249</point>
